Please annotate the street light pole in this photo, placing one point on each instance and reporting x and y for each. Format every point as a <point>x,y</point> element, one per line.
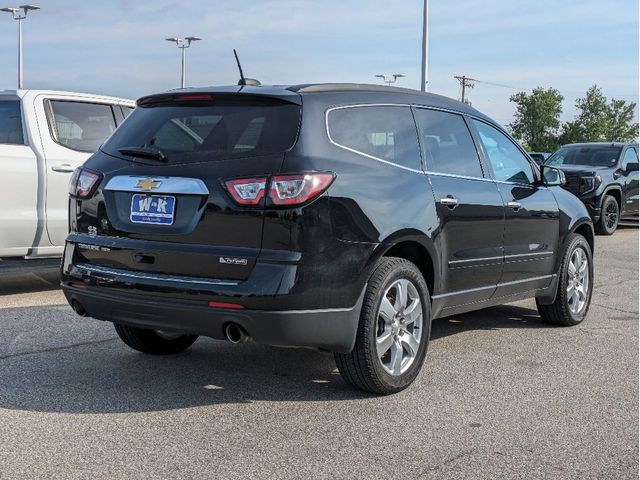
<point>389,81</point>
<point>425,47</point>
<point>19,14</point>
<point>183,43</point>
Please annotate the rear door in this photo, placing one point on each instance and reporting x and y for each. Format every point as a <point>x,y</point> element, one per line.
<point>531,214</point>
<point>469,208</point>
<point>18,182</point>
<point>178,215</point>
<point>73,131</point>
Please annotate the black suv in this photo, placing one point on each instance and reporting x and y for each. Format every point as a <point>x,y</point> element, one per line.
<point>342,217</point>
<point>605,177</point>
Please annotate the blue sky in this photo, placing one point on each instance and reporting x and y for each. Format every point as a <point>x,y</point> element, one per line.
<point>116,47</point>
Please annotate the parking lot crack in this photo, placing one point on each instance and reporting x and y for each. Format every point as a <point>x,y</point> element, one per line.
<point>55,349</point>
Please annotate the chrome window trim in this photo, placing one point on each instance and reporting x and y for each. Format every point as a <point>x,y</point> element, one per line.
<point>145,276</point>
<point>472,290</point>
<point>177,185</point>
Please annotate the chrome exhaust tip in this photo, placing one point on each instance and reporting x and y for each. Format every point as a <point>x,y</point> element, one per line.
<point>235,333</point>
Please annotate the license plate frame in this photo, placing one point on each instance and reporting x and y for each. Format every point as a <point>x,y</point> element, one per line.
<point>155,212</point>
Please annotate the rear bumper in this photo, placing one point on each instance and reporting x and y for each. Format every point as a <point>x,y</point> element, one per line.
<point>330,329</point>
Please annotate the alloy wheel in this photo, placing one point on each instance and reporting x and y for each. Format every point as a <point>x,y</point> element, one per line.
<point>399,325</point>
<point>578,281</point>
<point>611,215</point>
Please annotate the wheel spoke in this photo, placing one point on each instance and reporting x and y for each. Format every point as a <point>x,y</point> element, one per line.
<point>570,289</point>
<point>387,310</point>
<point>572,267</point>
<point>396,358</point>
<point>583,266</point>
<point>413,311</point>
<point>401,294</point>
<point>411,342</point>
<point>384,342</point>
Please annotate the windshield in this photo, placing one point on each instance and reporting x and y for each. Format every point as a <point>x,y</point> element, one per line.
<point>196,131</point>
<point>593,156</point>
<point>11,122</point>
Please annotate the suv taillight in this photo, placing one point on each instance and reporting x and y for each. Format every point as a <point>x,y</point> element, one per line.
<point>83,183</point>
<point>284,190</point>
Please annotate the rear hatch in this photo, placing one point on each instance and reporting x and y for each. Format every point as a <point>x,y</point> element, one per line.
<point>163,206</point>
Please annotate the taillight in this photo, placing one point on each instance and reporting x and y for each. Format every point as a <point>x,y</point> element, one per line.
<point>284,190</point>
<point>298,189</point>
<point>246,191</point>
<point>83,183</point>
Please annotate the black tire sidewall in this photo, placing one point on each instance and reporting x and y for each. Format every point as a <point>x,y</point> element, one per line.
<point>409,271</point>
<point>603,219</point>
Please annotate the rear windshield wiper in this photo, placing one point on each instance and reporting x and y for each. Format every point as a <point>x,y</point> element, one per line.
<point>143,152</point>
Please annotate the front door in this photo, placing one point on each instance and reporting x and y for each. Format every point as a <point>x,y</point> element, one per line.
<point>469,207</point>
<point>629,170</point>
<point>531,215</point>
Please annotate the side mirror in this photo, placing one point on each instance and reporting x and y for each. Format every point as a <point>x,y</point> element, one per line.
<point>632,167</point>
<point>551,176</point>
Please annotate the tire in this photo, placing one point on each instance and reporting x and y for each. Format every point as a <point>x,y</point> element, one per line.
<point>609,217</point>
<point>152,341</point>
<point>405,336</point>
<point>567,309</point>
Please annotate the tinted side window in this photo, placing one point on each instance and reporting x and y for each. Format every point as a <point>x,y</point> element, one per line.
<point>508,162</point>
<point>11,122</point>
<point>630,156</point>
<point>387,133</point>
<point>448,146</point>
<point>81,126</point>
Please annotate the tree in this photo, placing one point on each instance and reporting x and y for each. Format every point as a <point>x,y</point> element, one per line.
<point>593,117</point>
<point>600,121</point>
<point>537,118</point>
<point>620,127</point>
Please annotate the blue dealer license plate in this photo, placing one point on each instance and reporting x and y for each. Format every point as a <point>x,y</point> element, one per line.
<point>155,209</point>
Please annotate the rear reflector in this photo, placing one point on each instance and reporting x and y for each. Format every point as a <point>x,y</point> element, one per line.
<point>234,306</point>
<point>78,285</point>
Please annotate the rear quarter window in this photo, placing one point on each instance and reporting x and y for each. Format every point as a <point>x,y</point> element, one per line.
<point>11,122</point>
<point>387,133</point>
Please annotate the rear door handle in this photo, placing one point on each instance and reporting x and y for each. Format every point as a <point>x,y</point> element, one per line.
<point>515,205</point>
<point>449,202</point>
<point>63,168</point>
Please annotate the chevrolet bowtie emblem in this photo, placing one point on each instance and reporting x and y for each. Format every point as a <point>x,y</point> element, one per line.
<point>148,184</point>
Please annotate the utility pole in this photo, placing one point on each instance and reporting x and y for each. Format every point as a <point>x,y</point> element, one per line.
<point>425,47</point>
<point>19,14</point>
<point>465,82</point>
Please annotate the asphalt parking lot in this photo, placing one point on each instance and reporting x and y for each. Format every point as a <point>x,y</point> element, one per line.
<point>502,395</point>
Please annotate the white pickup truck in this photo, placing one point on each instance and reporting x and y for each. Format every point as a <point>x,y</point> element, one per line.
<point>44,137</point>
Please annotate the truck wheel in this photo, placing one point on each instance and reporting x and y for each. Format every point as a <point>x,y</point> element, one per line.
<point>574,285</point>
<point>393,333</point>
<point>609,217</point>
<point>156,342</point>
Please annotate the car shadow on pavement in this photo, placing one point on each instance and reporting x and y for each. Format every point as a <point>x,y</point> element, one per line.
<point>103,376</point>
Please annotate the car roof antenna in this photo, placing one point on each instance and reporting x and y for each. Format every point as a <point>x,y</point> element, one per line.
<point>244,81</point>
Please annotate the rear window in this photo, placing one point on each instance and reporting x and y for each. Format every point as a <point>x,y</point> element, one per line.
<point>81,126</point>
<point>11,122</point>
<point>195,131</point>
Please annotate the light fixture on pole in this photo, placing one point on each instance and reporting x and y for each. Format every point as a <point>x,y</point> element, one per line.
<point>425,47</point>
<point>183,43</point>
<point>389,81</point>
<point>19,14</point>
